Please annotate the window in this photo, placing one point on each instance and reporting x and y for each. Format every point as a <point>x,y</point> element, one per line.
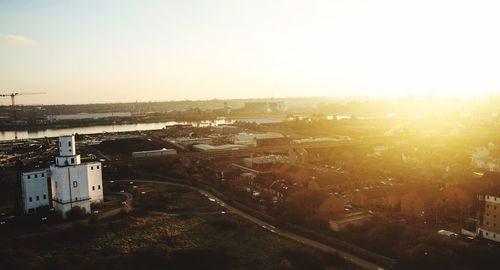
<point>76,198</point>
<point>75,184</point>
<point>56,184</point>
<point>31,199</point>
<point>98,167</point>
<point>93,187</point>
<point>43,175</point>
<point>69,143</point>
<point>35,175</point>
<point>72,160</point>
<point>99,187</point>
<point>44,196</point>
<point>37,198</point>
<point>91,167</point>
<point>29,176</point>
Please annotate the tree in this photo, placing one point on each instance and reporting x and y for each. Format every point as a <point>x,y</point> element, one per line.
<point>76,212</point>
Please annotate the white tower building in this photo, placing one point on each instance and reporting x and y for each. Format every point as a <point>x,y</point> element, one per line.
<point>73,183</point>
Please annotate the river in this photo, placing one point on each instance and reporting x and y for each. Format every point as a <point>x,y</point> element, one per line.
<point>33,134</point>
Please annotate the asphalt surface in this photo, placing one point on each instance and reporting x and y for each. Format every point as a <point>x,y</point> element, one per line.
<point>283,233</point>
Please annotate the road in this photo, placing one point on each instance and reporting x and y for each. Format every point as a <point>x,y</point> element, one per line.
<point>292,236</point>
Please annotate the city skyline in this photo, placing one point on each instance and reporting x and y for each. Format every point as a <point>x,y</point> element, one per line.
<point>126,51</point>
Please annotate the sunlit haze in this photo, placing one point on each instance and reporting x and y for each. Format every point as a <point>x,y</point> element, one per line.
<point>105,51</point>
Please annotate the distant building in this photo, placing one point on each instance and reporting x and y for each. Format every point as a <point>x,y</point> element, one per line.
<point>488,226</point>
<point>69,182</point>
<point>86,116</point>
<point>265,106</point>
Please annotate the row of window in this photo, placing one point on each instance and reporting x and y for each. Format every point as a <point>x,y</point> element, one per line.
<point>38,198</point>
<point>488,214</point>
<point>488,197</point>
<point>488,206</point>
<point>92,167</point>
<point>488,223</point>
<point>60,143</point>
<point>98,187</point>
<point>36,175</point>
<point>494,234</point>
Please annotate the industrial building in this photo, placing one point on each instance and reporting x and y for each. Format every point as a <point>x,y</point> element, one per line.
<point>261,139</point>
<point>66,184</point>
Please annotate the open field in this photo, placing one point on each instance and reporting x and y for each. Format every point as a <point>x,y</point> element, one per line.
<point>174,228</point>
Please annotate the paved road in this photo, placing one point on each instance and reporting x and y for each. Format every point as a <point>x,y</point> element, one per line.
<point>306,241</point>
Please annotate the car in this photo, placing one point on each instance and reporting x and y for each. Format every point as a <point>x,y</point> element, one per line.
<point>131,182</point>
<point>122,191</point>
<point>95,212</point>
<point>111,181</point>
<point>44,218</point>
<point>223,212</point>
<point>124,203</point>
<point>143,192</point>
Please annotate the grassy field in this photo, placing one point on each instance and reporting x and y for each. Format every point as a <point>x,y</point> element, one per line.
<point>170,228</point>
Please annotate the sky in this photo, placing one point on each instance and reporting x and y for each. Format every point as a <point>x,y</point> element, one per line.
<point>97,51</point>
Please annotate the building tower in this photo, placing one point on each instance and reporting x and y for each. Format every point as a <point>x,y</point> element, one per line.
<point>74,184</point>
<point>67,152</point>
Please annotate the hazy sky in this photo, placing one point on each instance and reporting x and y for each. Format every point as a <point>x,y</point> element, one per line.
<point>105,51</point>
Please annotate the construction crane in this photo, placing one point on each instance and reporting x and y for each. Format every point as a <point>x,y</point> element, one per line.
<point>13,99</point>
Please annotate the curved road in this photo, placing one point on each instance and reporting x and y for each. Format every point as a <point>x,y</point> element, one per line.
<point>295,237</point>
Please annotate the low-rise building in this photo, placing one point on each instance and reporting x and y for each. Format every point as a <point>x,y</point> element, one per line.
<point>261,139</point>
<point>341,222</point>
<point>213,148</point>
<point>35,190</point>
<point>154,153</point>
<point>264,162</point>
<point>186,141</point>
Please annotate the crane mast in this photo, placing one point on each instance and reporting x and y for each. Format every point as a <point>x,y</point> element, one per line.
<point>14,115</point>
